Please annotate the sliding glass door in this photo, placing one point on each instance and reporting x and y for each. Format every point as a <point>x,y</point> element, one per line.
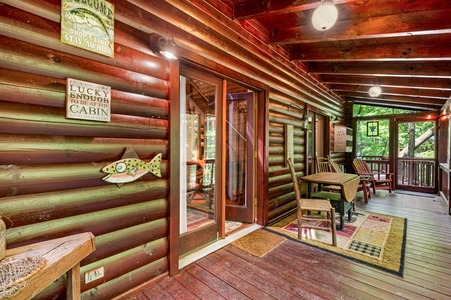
<point>217,158</point>
<point>239,156</point>
<point>200,205</point>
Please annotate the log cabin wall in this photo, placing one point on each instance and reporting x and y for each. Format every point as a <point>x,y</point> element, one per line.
<point>51,181</point>
<point>280,185</point>
<point>50,166</point>
<point>284,110</point>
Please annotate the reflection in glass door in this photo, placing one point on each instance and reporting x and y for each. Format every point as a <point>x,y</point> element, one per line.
<point>199,208</point>
<point>239,154</point>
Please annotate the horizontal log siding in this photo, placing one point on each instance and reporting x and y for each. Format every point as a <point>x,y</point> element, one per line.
<point>280,187</point>
<point>51,181</point>
<point>35,137</point>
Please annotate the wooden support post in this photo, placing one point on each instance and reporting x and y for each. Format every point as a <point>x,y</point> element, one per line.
<point>73,283</point>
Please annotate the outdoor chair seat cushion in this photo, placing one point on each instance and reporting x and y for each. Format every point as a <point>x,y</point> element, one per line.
<point>382,175</point>
<point>327,195</point>
<point>312,204</point>
<point>335,200</point>
<point>332,188</point>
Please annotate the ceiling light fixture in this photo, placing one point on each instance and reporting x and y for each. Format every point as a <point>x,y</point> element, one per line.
<point>325,15</point>
<point>163,46</point>
<point>375,91</point>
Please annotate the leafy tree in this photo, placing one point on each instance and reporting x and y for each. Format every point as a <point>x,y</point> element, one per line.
<point>372,145</point>
<point>419,145</point>
<point>421,138</point>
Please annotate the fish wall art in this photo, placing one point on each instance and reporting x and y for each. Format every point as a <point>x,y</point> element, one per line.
<point>88,25</point>
<point>131,168</point>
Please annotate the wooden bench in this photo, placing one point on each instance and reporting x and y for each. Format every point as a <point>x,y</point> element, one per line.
<point>60,256</point>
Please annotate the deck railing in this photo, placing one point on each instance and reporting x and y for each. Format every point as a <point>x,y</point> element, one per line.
<point>377,164</point>
<point>418,172</point>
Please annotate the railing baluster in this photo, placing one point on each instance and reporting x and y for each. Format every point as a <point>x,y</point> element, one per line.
<point>411,171</point>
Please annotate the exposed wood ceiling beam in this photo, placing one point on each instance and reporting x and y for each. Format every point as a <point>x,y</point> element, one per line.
<point>413,92</point>
<point>400,48</point>
<point>400,99</point>
<point>376,102</point>
<point>402,82</point>
<point>436,69</point>
<point>404,24</point>
<point>269,8</point>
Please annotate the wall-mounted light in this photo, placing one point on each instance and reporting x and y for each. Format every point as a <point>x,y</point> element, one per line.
<point>375,91</point>
<point>305,122</point>
<point>325,15</point>
<point>163,46</point>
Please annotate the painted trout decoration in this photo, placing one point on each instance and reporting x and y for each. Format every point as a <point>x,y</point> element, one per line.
<point>85,16</point>
<point>131,168</point>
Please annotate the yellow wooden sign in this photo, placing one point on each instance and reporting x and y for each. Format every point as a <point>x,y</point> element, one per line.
<point>88,25</point>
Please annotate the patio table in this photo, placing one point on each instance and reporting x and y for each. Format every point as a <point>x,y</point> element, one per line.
<point>342,201</point>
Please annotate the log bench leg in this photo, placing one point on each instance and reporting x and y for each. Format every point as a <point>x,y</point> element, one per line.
<point>73,283</point>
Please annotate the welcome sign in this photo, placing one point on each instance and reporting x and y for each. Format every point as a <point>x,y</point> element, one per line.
<point>88,24</point>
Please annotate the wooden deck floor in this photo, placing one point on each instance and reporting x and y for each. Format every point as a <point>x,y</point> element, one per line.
<point>296,271</point>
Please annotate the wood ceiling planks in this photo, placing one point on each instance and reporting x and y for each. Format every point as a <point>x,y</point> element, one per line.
<point>402,45</point>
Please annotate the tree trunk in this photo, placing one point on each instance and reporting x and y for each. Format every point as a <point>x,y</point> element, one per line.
<point>420,140</point>
<point>411,146</point>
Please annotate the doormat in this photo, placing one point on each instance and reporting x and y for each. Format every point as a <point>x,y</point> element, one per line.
<point>374,239</point>
<point>259,242</point>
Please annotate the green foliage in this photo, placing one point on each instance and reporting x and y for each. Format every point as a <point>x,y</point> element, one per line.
<point>372,145</point>
<point>378,145</point>
<point>424,139</point>
<point>361,110</point>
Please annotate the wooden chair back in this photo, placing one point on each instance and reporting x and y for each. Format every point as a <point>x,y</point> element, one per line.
<point>294,178</point>
<point>322,165</point>
<point>361,167</point>
<point>302,187</point>
<point>334,167</point>
<point>310,205</point>
<point>194,178</point>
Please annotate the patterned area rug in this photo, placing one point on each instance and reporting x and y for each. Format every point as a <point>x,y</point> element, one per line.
<point>194,215</point>
<point>197,218</point>
<point>375,239</point>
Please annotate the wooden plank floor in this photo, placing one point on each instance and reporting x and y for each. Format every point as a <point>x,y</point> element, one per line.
<point>296,271</point>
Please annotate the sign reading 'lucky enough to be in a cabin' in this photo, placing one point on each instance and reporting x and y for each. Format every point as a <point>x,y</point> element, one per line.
<point>88,24</point>
<point>87,101</point>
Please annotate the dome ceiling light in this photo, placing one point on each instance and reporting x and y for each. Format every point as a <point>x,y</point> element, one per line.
<point>325,15</point>
<point>375,91</point>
